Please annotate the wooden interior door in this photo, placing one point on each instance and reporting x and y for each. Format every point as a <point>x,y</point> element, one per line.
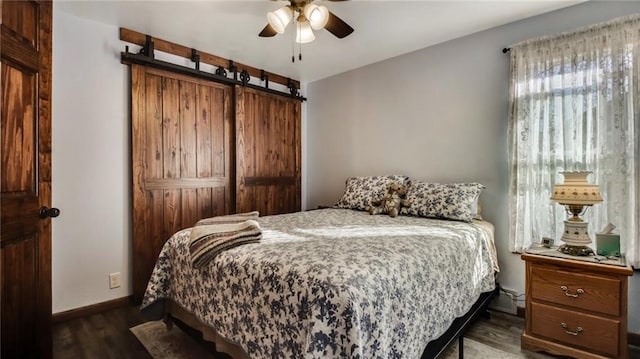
<point>182,133</point>
<point>25,176</point>
<point>268,163</point>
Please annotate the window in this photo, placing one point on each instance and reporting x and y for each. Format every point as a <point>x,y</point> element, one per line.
<point>575,106</point>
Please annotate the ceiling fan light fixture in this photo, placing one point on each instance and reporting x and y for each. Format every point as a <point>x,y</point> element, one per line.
<point>304,33</point>
<point>280,18</point>
<point>318,16</point>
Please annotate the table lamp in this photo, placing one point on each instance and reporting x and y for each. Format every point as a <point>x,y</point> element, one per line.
<point>576,194</point>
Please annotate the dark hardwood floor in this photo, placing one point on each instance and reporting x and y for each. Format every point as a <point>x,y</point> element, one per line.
<point>106,335</point>
<point>102,335</point>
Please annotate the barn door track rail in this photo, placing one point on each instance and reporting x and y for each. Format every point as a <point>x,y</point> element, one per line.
<point>227,71</point>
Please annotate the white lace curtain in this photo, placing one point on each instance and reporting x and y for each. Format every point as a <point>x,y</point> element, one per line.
<point>575,106</point>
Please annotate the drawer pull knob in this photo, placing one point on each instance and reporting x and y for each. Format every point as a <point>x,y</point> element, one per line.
<point>571,332</point>
<point>566,292</point>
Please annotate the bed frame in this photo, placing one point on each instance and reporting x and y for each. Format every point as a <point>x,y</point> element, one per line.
<point>437,347</point>
<point>182,317</point>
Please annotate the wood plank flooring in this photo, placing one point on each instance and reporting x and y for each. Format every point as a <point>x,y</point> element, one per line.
<point>106,335</point>
<point>101,335</point>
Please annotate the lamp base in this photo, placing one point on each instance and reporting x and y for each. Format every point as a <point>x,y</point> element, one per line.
<point>576,238</point>
<point>575,250</point>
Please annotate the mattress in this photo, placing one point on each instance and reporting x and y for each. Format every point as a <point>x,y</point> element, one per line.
<point>332,283</point>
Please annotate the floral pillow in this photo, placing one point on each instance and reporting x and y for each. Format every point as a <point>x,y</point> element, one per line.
<point>445,201</point>
<point>360,191</point>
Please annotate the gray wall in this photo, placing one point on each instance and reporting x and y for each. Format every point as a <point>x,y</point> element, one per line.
<point>91,163</point>
<point>437,114</point>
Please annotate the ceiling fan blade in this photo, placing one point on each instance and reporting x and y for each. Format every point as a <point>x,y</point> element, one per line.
<point>268,31</point>
<point>337,26</point>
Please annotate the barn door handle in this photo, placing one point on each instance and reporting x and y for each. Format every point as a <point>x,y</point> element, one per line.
<point>48,212</point>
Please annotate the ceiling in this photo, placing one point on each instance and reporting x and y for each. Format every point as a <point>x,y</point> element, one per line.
<point>383,29</point>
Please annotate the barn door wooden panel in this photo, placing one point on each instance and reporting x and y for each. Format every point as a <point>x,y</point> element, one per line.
<point>25,177</point>
<point>268,163</point>
<point>182,133</point>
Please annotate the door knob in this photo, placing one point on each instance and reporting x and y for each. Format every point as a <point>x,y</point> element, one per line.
<point>48,212</point>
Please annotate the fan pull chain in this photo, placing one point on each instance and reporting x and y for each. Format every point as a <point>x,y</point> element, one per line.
<point>293,47</point>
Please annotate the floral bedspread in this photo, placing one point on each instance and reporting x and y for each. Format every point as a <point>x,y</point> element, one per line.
<point>332,283</point>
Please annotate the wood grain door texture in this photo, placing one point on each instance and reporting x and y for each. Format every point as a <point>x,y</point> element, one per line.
<point>25,177</point>
<point>203,149</point>
<point>268,152</point>
<point>182,133</point>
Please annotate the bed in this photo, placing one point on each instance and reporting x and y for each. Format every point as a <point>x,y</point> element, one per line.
<point>333,283</point>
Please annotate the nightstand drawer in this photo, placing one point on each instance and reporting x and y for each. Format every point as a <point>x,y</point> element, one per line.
<point>582,291</point>
<point>577,329</point>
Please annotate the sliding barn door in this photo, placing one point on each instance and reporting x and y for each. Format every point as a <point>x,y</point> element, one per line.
<point>267,152</point>
<point>182,131</point>
<point>25,178</point>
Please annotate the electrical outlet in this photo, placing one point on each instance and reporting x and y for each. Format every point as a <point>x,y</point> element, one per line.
<point>510,293</point>
<point>114,280</point>
<point>506,301</point>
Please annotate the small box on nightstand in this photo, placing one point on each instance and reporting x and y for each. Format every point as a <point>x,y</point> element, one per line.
<point>608,244</point>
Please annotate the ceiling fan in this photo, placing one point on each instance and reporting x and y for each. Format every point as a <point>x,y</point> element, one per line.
<point>309,17</point>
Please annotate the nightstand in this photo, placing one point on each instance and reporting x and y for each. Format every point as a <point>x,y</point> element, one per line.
<point>575,307</point>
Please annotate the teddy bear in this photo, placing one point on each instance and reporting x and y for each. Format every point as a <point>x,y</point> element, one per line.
<point>392,201</point>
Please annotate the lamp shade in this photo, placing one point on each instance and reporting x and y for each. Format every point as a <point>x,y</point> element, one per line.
<point>304,33</point>
<point>318,16</point>
<point>280,18</point>
<point>576,190</point>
